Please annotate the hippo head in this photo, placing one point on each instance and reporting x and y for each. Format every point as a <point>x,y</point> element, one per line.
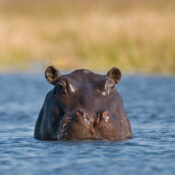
<point>82,105</point>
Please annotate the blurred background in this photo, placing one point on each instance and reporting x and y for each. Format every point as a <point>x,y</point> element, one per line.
<point>135,35</point>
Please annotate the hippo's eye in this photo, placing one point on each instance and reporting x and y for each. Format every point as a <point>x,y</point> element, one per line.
<point>59,89</point>
<point>59,86</point>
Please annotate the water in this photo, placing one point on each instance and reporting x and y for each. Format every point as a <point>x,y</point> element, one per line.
<point>149,102</point>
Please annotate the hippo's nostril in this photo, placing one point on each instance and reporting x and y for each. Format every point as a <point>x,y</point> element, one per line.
<point>79,113</point>
<point>105,114</point>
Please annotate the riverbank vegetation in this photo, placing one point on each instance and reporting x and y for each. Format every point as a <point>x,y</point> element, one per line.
<point>137,36</point>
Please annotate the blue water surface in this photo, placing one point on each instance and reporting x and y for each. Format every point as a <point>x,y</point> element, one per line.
<point>150,105</point>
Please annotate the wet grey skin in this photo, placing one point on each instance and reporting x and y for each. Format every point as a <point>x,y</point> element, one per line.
<point>83,105</point>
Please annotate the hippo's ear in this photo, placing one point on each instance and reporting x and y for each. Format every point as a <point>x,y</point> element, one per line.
<point>114,74</point>
<point>52,74</point>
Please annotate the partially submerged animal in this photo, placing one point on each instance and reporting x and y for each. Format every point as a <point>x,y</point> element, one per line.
<point>82,105</point>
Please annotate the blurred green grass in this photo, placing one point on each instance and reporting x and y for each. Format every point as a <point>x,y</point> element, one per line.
<point>137,36</point>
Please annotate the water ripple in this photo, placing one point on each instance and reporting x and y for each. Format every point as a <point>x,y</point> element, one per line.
<point>150,105</point>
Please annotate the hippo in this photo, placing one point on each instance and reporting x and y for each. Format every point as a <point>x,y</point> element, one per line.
<point>83,105</point>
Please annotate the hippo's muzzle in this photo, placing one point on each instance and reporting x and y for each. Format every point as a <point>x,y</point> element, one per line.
<point>83,125</point>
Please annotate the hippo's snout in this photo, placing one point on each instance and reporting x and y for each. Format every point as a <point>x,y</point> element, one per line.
<point>83,125</point>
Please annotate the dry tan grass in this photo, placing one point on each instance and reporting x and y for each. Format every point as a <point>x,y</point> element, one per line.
<point>138,38</point>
